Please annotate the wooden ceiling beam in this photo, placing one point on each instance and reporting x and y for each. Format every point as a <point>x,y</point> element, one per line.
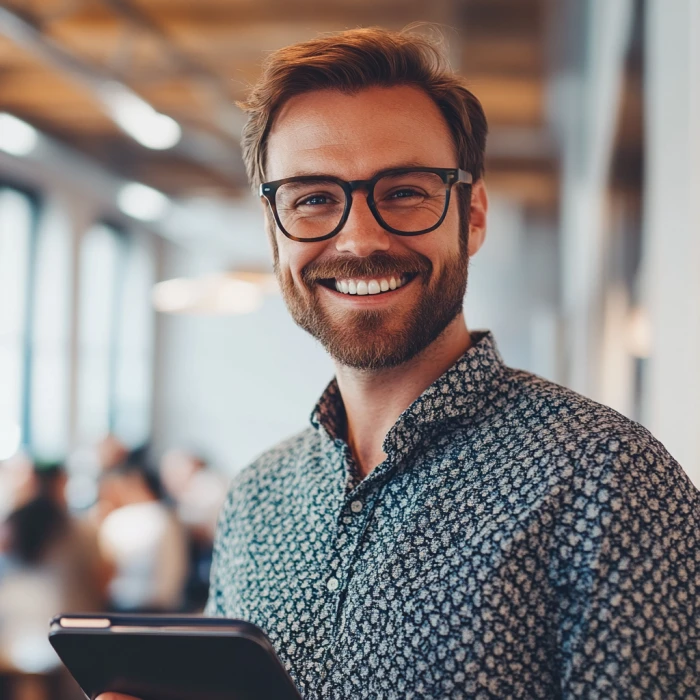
<point>202,18</point>
<point>510,101</point>
<point>207,149</point>
<point>339,14</point>
<point>501,52</point>
<point>501,17</point>
<point>484,55</point>
<point>534,190</point>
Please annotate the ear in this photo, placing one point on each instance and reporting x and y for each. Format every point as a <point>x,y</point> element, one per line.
<point>478,209</point>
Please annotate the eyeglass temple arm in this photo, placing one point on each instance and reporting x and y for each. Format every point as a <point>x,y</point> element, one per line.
<point>464,176</point>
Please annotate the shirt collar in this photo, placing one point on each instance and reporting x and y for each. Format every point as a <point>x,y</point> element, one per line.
<point>461,392</point>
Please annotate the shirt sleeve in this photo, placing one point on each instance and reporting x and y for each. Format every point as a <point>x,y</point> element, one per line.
<point>628,553</point>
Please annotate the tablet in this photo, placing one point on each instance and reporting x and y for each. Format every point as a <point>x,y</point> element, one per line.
<point>161,657</point>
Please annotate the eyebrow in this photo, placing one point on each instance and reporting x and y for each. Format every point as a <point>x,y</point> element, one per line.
<point>320,175</point>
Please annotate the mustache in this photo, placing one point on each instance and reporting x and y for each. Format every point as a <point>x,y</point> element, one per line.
<point>376,265</point>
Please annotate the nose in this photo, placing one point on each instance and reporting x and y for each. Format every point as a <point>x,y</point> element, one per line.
<point>362,235</point>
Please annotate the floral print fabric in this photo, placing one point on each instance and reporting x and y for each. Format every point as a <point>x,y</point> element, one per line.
<point>519,541</point>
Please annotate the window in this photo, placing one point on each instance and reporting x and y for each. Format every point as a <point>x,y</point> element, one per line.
<point>115,337</point>
<point>100,262</point>
<point>50,357</point>
<point>134,351</point>
<point>16,224</point>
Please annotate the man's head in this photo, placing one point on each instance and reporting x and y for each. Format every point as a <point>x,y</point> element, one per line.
<point>127,483</point>
<point>349,106</point>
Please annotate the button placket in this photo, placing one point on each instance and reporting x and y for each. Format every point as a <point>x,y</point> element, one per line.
<point>350,528</point>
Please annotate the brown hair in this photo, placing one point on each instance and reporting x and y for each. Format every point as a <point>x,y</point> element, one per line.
<point>359,58</point>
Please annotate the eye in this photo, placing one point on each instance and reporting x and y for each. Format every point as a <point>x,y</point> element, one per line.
<point>314,200</point>
<point>404,192</point>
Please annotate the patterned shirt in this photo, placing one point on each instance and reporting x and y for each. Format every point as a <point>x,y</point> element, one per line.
<point>519,541</point>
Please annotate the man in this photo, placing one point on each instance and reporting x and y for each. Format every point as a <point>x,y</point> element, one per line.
<point>448,527</point>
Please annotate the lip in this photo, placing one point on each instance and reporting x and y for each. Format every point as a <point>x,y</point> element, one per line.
<point>365,300</point>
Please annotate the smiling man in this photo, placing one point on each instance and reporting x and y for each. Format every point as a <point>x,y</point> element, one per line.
<point>374,249</point>
<point>447,527</point>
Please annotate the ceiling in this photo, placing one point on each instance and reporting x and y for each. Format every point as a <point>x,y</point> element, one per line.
<point>193,59</point>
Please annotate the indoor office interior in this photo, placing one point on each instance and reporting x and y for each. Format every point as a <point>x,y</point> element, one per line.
<point>146,354</point>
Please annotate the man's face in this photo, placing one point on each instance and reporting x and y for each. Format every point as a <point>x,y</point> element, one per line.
<point>353,137</point>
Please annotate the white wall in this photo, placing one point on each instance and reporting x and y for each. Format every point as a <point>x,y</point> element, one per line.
<point>672,229</point>
<point>232,385</point>
<point>512,288</point>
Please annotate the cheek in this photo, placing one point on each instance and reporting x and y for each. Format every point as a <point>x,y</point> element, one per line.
<point>451,239</point>
<point>441,245</point>
<point>293,257</point>
<point>452,226</point>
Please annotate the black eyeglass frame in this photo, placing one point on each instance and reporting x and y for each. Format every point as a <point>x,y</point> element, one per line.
<point>450,177</point>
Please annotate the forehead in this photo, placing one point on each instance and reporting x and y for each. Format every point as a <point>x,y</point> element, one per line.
<point>354,135</point>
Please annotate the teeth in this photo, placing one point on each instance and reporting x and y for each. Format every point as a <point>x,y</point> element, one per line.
<point>365,287</point>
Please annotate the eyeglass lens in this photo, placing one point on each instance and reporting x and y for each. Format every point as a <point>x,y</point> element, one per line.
<point>408,202</point>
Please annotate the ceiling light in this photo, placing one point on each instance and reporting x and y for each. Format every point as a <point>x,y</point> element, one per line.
<point>142,202</point>
<point>236,296</point>
<point>16,136</point>
<point>175,296</point>
<point>150,128</point>
<point>266,282</point>
<point>218,294</point>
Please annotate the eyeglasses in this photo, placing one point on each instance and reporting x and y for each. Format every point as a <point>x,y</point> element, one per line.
<point>404,201</point>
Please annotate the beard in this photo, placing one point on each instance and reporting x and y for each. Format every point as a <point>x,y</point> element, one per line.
<point>370,339</point>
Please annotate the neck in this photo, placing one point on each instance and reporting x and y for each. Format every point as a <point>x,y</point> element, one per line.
<point>374,399</point>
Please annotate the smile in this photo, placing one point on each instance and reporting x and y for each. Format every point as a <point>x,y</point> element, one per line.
<point>363,287</point>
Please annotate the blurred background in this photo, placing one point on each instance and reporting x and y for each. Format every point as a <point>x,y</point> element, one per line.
<point>145,353</point>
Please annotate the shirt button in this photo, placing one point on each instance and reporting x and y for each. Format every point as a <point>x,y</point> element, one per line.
<point>356,506</point>
<point>332,584</point>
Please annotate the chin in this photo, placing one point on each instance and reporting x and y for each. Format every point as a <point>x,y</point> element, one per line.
<point>369,350</point>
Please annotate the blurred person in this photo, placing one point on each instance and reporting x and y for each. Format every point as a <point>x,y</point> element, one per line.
<point>111,452</point>
<point>107,455</point>
<point>176,468</point>
<point>86,464</point>
<point>448,527</point>
<point>49,563</point>
<point>197,492</point>
<point>43,531</point>
<point>195,488</point>
<point>142,539</point>
<point>49,481</point>
<point>17,483</point>
<point>32,588</point>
